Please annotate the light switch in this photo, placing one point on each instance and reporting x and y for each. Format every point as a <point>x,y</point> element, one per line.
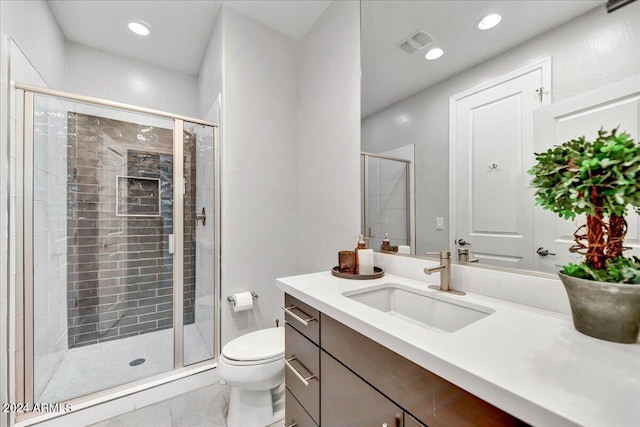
<point>439,223</point>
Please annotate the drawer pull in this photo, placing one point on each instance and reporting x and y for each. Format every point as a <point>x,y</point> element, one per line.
<point>305,380</point>
<point>305,322</point>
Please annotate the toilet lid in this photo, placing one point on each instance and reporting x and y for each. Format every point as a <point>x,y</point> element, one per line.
<point>259,345</point>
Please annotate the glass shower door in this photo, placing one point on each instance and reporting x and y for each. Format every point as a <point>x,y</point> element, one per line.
<point>102,203</point>
<point>199,304</point>
<point>386,199</point>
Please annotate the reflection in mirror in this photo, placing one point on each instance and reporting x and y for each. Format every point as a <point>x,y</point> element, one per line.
<point>548,72</point>
<point>387,186</point>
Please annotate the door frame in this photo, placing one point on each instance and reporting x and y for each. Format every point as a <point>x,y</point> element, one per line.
<point>544,65</point>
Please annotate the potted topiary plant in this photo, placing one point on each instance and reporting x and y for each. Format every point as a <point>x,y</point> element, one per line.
<point>598,179</point>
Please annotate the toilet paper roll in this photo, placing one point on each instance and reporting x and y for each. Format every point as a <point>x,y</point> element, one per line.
<point>244,301</point>
<point>365,261</point>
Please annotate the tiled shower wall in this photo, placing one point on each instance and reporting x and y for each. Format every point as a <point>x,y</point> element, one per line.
<point>120,274</point>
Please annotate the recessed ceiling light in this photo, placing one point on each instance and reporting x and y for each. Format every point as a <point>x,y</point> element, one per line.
<point>139,27</point>
<point>434,53</point>
<point>489,21</point>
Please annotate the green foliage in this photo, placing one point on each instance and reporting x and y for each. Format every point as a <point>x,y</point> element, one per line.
<point>618,270</point>
<point>579,176</point>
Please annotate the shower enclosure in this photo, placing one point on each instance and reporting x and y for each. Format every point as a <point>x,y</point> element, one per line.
<point>386,199</point>
<point>120,244</point>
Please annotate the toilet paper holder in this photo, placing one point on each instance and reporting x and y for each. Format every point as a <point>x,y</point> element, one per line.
<point>232,300</point>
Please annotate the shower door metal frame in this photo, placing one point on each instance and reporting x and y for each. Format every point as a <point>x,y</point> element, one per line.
<point>365,190</point>
<point>25,326</point>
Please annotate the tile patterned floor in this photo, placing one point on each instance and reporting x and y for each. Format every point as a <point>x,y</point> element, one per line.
<point>206,407</point>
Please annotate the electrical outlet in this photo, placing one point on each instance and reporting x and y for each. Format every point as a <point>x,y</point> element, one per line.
<point>439,223</point>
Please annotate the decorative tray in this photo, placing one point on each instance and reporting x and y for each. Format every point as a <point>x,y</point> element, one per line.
<point>377,273</point>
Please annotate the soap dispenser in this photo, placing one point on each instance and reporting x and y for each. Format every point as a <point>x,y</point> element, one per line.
<point>386,243</point>
<point>362,244</point>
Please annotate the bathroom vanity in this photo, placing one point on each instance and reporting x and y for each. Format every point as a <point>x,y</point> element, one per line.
<point>357,381</point>
<point>365,363</point>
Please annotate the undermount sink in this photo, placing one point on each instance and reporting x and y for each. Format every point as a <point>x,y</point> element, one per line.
<point>429,309</point>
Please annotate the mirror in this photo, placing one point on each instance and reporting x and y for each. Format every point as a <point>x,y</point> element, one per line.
<point>468,120</point>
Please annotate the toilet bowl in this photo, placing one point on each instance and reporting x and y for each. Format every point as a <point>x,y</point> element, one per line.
<point>252,365</point>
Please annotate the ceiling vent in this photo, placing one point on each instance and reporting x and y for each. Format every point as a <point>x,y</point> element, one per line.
<point>415,42</point>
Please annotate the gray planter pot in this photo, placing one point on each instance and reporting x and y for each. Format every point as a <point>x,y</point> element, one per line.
<point>608,311</point>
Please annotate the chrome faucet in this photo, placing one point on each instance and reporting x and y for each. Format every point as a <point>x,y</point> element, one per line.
<point>445,273</point>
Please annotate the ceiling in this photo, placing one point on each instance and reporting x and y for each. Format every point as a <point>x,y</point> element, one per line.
<point>180,29</point>
<point>389,74</point>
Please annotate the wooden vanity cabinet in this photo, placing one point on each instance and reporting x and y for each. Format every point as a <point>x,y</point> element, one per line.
<point>354,381</point>
<point>427,397</point>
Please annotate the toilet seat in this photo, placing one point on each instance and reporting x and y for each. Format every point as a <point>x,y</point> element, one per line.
<point>255,348</point>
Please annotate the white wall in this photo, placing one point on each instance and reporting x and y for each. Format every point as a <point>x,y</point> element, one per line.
<point>99,74</point>
<point>329,142</point>
<point>33,28</point>
<point>210,73</point>
<point>259,168</point>
<point>588,52</point>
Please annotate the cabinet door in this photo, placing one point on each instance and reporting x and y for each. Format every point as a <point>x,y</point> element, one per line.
<point>349,401</point>
<point>409,421</point>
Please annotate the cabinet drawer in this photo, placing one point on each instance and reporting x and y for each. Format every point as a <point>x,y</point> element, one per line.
<point>303,358</point>
<point>304,318</point>
<point>430,398</point>
<point>349,401</point>
<point>294,413</point>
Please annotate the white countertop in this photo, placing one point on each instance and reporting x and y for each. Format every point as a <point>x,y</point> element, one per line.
<point>526,361</point>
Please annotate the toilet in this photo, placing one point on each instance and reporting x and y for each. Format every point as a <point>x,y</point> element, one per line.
<point>252,365</point>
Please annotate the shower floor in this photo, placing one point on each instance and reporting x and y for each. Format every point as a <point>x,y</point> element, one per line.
<point>96,367</point>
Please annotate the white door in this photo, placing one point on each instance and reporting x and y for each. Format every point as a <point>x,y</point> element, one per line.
<point>610,106</point>
<point>491,138</point>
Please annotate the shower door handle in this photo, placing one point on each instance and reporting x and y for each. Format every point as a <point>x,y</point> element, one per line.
<point>202,217</point>
<point>172,243</point>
